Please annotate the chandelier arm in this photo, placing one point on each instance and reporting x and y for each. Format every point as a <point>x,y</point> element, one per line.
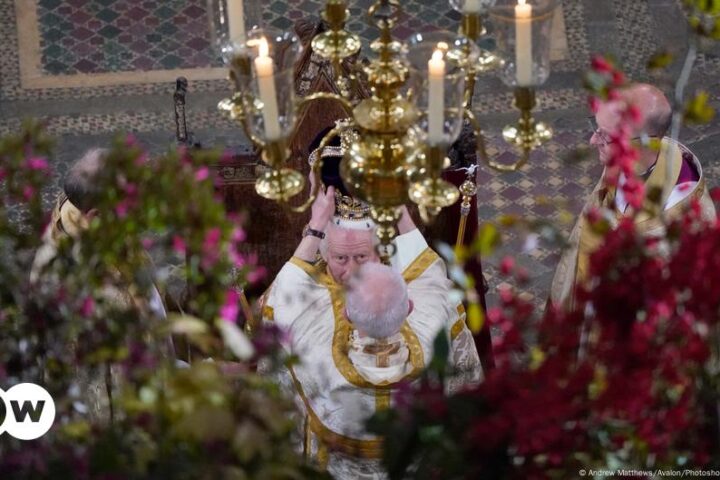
<point>240,102</point>
<point>482,150</point>
<point>315,167</point>
<point>315,172</point>
<point>234,108</point>
<point>325,96</point>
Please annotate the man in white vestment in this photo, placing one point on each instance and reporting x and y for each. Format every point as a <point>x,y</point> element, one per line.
<point>307,300</point>
<point>673,169</point>
<point>73,213</point>
<point>377,303</point>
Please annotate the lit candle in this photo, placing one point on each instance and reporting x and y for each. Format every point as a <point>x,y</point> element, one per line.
<point>436,97</point>
<point>266,86</point>
<point>235,19</point>
<point>471,6</point>
<point>523,43</point>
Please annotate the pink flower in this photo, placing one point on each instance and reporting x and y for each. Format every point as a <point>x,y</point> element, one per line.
<point>714,193</point>
<point>593,215</point>
<point>614,95</point>
<point>635,114</point>
<point>122,208</point>
<point>238,235</point>
<point>141,160</point>
<point>210,248</point>
<point>202,173</point>
<point>230,309</point>
<point>634,191</point>
<point>236,257</point>
<point>37,163</point>
<point>130,189</point>
<point>601,64</point>
<point>256,274</point>
<point>618,78</point>
<point>88,307</point>
<point>522,275</point>
<point>494,314</point>
<point>131,140</point>
<point>212,239</point>
<point>147,243</point>
<point>507,265</point>
<point>28,192</point>
<point>178,244</point>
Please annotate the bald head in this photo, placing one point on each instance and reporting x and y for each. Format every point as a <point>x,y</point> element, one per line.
<point>654,106</point>
<point>80,183</point>
<point>655,112</point>
<point>377,300</point>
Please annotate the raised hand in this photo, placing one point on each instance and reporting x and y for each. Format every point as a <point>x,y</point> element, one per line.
<point>323,209</point>
<point>405,224</point>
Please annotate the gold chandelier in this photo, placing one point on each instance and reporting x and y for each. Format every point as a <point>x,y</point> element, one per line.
<point>420,95</point>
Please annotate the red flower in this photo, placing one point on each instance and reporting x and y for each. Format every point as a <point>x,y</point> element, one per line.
<point>507,265</point>
<point>601,64</point>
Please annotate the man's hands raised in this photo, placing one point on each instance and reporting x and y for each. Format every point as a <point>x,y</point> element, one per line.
<point>323,208</point>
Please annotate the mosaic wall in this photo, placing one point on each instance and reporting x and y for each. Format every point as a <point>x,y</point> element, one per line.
<point>97,36</point>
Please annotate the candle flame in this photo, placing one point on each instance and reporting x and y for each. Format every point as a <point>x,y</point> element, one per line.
<point>437,55</point>
<point>443,46</point>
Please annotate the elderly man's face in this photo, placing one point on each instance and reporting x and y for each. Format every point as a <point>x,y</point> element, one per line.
<point>347,250</point>
<point>606,119</point>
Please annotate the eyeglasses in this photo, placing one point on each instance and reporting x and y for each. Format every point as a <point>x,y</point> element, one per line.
<point>604,137</point>
<point>643,140</point>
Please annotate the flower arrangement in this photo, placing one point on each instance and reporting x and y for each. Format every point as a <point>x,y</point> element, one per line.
<point>85,331</point>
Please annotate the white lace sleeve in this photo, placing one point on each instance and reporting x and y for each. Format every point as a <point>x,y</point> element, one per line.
<point>464,357</point>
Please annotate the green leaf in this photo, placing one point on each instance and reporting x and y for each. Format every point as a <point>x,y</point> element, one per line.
<point>660,60</point>
<point>475,317</point>
<point>441,350</point>
<point>697,109</point>
<point>487,240</point>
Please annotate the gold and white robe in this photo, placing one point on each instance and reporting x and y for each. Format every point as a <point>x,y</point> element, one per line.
<point>573,264</point>
<point>334,395</point>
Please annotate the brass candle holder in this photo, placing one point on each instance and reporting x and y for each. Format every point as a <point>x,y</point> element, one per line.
<point>432,194</point>
<point>336,43</point>
<point>528,133</point>
<point>278,183</point>
<point>395,156</point>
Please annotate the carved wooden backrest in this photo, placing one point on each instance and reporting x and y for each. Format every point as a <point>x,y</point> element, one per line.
<point>273,231</point>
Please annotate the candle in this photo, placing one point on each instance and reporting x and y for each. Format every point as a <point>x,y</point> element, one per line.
<point>471,6</point>
<point>436,97</point>
<point>523,43</point>
<point>266,87</point>
<point>235,19</point>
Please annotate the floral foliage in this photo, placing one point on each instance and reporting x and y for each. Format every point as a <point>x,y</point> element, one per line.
<point>88,332</point>
<point>625,379</point>
<point>628,377</point>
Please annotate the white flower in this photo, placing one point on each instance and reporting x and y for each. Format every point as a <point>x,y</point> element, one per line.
<point>236,340</point>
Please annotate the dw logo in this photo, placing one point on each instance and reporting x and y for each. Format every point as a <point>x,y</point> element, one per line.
<point>27,411</point>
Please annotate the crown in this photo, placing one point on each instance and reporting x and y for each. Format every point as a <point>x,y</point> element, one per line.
<point>349,208</point>
<point>347,137</point>
<point>349,211</point>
